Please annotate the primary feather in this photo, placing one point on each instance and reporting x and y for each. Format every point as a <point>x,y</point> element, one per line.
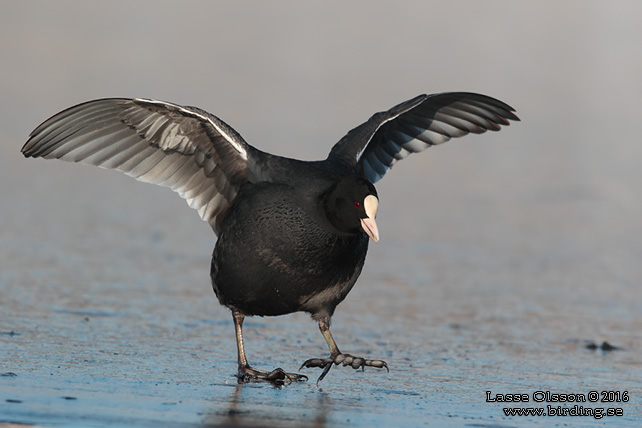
<point>186,149</point>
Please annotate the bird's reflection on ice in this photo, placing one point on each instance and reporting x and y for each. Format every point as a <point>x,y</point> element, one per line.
<point>262,404</point>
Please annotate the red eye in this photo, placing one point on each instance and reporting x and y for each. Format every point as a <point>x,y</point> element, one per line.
<point>357,204</point>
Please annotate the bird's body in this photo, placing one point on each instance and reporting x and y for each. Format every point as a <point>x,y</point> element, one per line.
<point>291,260</point>
<point>292,235</point>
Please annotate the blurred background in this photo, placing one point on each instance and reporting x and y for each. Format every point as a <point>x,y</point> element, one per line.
<point>501,256</point>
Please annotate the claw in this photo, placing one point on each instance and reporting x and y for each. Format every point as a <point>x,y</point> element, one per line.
<point>316,362</point>
<point>378,364</point>
<point>325,371</point>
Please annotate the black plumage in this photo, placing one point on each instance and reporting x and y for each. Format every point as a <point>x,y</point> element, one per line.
<point>292,235</point>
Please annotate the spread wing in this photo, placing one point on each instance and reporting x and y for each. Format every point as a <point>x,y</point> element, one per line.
<point>373,147</point>
<point>184,148</point>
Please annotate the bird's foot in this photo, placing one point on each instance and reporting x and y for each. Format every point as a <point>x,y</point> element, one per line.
<point>277,376</point>
<point>346,360</point>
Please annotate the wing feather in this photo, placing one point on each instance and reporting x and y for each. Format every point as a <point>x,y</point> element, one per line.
<point>184,148</point>
<point>373,147</point>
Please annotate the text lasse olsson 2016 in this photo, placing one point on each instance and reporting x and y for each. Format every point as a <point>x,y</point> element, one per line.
<point>549,397</point>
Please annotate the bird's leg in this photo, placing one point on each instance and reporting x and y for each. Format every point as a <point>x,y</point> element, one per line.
<point>336,357</point>
<point>246,373</point>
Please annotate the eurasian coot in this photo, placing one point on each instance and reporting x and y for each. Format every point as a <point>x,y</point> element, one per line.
<point>292,235</point>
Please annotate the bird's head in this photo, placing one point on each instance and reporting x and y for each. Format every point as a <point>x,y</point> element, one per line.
<point>351,206</point>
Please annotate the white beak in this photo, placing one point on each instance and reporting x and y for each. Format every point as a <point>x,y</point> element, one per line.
<point>370,204</point>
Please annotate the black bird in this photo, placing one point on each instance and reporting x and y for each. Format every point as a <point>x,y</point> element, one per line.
<point>292,235</point>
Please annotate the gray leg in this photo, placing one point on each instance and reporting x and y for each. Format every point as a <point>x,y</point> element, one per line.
<point>336,357</point>
<point>246,373</point>
<point>238,325</point>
